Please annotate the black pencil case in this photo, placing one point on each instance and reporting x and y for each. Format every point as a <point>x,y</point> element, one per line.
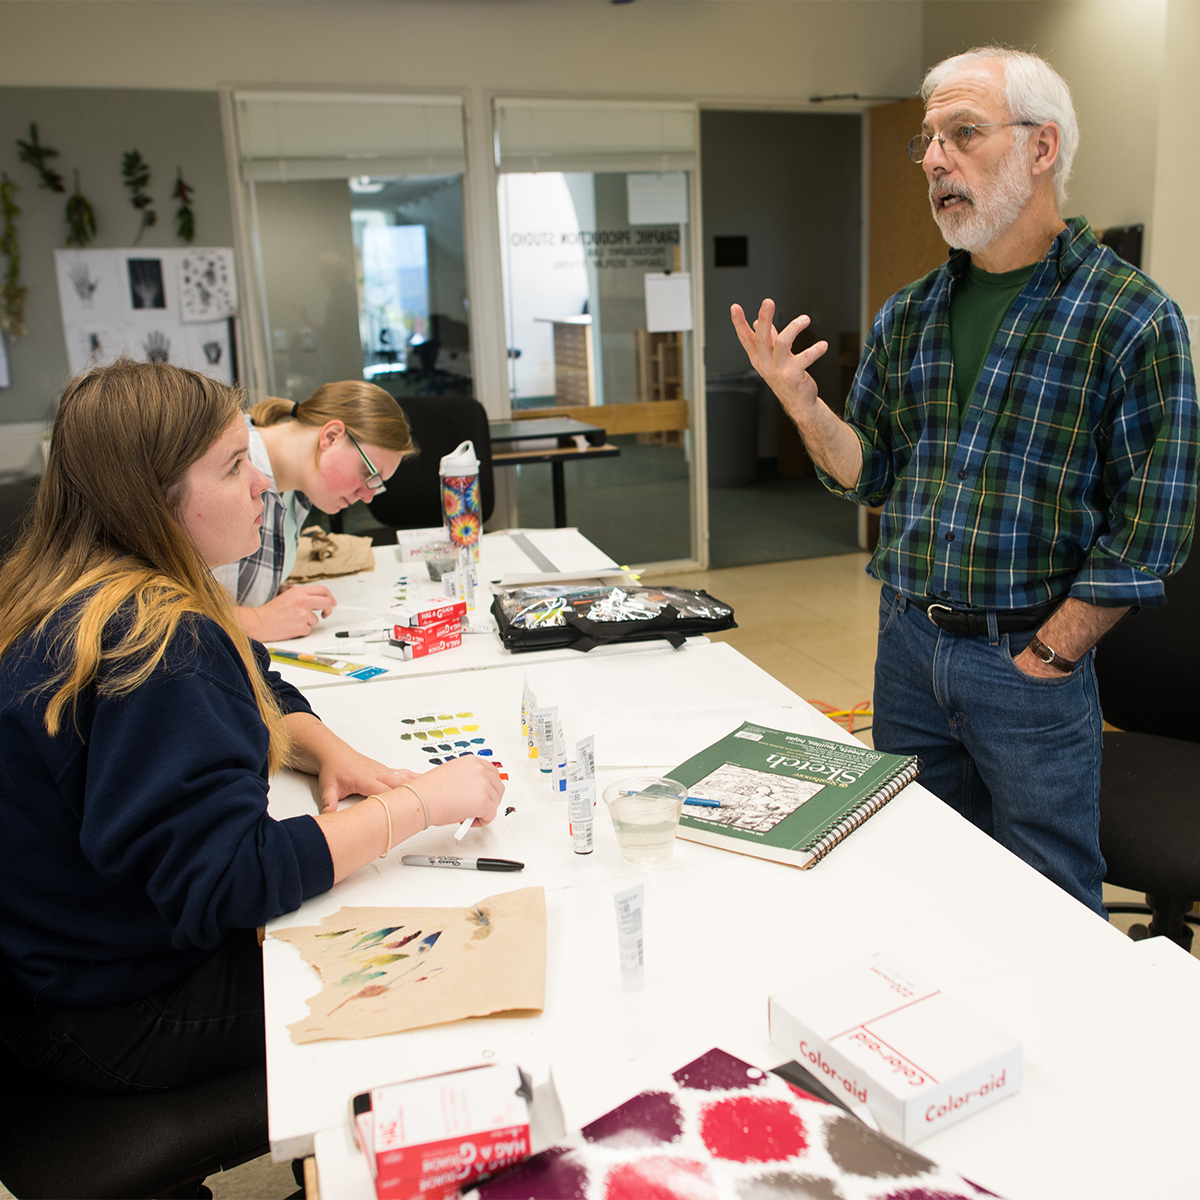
<point>548,616</point>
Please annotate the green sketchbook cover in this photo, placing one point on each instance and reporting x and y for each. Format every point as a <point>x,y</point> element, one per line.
<point>788,797</point>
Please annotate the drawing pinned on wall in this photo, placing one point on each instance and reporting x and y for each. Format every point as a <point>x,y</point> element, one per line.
<point>386,970</point>
<point>129,303</point>
<point>157,346</point>
<point>83,283</point>
<point>207,285</point>
<point>146,283</point>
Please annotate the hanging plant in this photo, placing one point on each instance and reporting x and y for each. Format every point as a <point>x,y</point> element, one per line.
<point>35,154</point>
<point>81,220</point>
<point>185,217</point>
<point>136,173</point>
<point>12,300</point>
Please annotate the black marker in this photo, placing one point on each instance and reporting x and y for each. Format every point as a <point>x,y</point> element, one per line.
<point>463,864</point>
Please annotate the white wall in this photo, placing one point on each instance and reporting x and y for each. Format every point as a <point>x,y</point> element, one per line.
<point>749,48</point>
<point>1175,252</point>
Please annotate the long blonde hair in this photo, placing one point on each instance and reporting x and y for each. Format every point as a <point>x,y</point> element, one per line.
<point>371,414</point>
<point>105,537</point>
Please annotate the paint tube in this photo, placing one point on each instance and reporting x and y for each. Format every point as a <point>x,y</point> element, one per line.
<point>558,776</point>
<point>525,706</point>
<point>530,740</point>
<point>581,797</point>
<point>543,737</point>
<point>629,934</point>
<point>466,577</point>
<point>585,754</point>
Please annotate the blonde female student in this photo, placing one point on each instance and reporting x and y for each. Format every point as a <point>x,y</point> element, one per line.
<point>138,729</point>
<point>340,445</point>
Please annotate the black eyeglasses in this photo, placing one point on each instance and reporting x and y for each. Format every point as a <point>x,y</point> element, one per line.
<point>958,136</point>
<point>374,479</point>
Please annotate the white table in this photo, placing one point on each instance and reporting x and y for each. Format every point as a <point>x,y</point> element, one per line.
<point>1103,1021</point>
<point>363,601</point>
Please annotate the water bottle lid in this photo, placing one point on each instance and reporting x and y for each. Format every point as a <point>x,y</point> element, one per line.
<point>460,461</point>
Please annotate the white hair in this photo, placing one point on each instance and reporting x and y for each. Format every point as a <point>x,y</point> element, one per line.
<point>1033,91</point>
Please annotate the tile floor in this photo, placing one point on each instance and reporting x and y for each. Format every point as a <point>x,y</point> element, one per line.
<point>812,625</point>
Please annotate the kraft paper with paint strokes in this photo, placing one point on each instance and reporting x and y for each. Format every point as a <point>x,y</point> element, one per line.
<point>386,970</point>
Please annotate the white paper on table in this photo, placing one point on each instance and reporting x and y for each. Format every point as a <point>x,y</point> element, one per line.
<point>666,737</point>
<point>668,302</point>
<point>657,197</point>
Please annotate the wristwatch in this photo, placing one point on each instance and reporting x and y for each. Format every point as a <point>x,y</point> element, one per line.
<point>1049,657</point>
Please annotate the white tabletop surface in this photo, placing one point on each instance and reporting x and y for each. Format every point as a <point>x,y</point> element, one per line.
<point>363,601</point>
<point>1109,1067</point>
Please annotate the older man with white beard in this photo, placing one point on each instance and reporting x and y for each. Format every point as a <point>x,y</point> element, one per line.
<point>1026,415</point>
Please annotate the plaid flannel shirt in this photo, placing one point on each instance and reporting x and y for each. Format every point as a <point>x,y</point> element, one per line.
<point>255,579</point>
<point>1074,469</point>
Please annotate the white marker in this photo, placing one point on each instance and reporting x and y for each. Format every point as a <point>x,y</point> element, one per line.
<point>461,831</point>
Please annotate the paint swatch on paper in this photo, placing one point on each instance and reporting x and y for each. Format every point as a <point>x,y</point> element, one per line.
<point>444,736</point>
<point>720,1128</point>
<point>385,970</point>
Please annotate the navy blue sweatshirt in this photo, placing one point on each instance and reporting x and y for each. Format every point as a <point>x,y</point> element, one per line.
<point>135,839</point>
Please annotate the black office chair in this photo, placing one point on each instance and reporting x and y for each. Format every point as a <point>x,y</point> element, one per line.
<point>61,1142</point>
<point>1149,673</point>
<point>413,499</point>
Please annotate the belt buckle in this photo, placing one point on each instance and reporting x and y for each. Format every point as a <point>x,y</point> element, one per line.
<point>929,613</point>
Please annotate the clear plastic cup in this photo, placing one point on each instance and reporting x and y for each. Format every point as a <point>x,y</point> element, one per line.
<point>645,814</point>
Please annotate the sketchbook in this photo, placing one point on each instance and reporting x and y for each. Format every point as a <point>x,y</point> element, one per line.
<point>788,797</point>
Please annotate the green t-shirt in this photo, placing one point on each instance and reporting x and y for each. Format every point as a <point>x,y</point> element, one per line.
<point>981,301</point>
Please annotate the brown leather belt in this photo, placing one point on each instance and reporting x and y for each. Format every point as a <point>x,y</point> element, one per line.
<point>974,621</point>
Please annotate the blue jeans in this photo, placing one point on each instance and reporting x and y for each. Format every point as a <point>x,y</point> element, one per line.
<point>1018,756</point>
<point>208,1023</point>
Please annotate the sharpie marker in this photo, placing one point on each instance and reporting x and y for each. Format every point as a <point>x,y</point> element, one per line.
<point>463,864</point>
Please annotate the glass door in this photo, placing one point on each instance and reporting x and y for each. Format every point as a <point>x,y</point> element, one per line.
<point>599,313</point>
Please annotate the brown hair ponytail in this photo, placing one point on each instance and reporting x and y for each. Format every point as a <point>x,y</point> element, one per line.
<point>370,413</point>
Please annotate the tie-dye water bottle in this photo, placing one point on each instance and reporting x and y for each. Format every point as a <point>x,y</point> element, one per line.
<point>461,507</point>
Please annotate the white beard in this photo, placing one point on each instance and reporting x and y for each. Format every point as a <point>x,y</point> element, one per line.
<point>984,215</point>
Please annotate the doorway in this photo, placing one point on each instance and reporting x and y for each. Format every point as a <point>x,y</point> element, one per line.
<point>782,212</point>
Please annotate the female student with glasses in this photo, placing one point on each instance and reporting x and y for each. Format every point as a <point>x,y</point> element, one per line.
<point>138,728</point>
<point>338,446</point>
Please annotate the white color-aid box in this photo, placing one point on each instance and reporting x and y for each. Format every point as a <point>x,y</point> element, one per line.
<point>878,1035</point>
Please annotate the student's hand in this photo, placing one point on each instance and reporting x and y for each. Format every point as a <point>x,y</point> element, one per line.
<point>770,354</point>
<point>464,787</point>
<point>292,614</point>
<point>344,772</point>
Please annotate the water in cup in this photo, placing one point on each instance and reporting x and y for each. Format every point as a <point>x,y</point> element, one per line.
<point>645,814</point>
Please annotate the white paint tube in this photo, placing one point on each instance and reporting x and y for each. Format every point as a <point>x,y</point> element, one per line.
<point>543,737</point>
<point>530,740</point>
<point>525,706</point>
<point>558,776</point>
<point>581,798</point>
<point>629,934</point>
<point>585,754</point>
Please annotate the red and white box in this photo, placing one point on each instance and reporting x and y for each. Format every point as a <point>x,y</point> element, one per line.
<point>876,1034</point>
<point>418,643</point>
<point>426,633</point>
<point>427,612</point>
<point>430,1137</point>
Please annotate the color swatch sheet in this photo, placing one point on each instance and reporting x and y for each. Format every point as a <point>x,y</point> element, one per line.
<point>721,1129</point>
